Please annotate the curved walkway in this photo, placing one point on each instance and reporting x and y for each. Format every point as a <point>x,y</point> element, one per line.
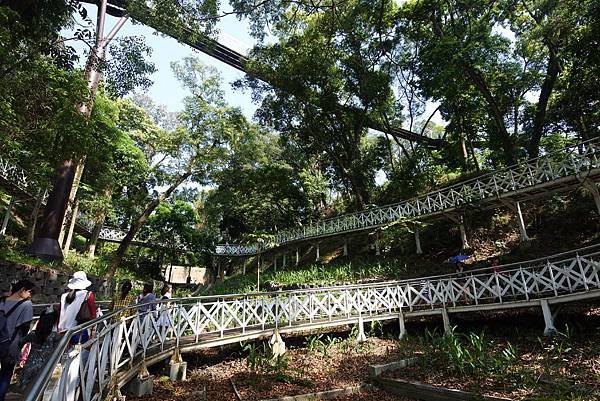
<point>553,173</point>
<point>550,174</point>
<point>121,349</point>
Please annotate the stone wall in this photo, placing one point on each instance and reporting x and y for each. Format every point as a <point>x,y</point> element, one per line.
<point>50,284</point>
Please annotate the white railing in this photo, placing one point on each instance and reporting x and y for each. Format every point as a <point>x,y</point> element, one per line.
<point>117,346</point>
<point>574,161</point>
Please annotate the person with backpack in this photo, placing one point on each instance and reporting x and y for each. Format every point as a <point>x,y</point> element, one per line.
<point>16,313</point>
<point>77,306</point>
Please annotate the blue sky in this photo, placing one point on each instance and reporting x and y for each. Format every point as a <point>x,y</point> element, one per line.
<point>166,90</point>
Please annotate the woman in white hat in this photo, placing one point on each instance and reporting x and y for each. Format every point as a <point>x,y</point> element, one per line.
<point>77,306</point>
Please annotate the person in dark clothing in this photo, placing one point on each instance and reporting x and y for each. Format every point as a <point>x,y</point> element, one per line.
<point>18,312</point>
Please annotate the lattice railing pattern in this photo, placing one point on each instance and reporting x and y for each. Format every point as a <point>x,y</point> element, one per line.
<point>116,344</point>
<point>573,161</point>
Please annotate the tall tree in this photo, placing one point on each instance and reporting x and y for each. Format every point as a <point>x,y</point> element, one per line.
<point>195,150</point>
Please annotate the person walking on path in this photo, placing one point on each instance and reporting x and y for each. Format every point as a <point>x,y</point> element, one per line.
<point>16,313</point>
<point>43,341</point>
<point>164,320</point>
<point>123,299</point>
<point>77,306</point>
<point>145,298</point>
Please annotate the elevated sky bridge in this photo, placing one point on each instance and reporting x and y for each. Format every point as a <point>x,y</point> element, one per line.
<point>553,173</point>
<point>120,349</point>
<point>572,167</point>
<point>239,61</point>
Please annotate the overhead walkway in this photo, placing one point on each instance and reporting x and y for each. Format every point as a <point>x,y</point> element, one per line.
<point>121,349</point>
<point>547,175</point>
<point>239,60</point>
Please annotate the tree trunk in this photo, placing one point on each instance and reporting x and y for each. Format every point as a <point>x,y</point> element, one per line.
<point>72,206</point>
<point>138,223</point>
<point>35,214</point>
<point>73,220</point>
<point>508,142</point>
<point>533,150</point>
<point>47,245</point>
<point>95,234</point>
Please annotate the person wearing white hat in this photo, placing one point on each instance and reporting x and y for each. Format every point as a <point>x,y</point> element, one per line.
<point>71,304</point>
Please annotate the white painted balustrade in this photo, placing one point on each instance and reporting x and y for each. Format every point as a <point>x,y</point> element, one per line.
<point>566,167</point>
<point>120,348</point>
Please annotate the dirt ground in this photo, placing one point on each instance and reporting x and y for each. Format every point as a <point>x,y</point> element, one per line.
<point>564,367</point>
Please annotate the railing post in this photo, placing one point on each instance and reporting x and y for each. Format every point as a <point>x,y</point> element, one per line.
<point>525,288</point>
<point>552,278</point>
<point>583,276</point>
<point>475,295</point>
<point>498,288</point>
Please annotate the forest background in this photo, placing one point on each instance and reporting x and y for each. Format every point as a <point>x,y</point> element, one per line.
<point>512,79</point>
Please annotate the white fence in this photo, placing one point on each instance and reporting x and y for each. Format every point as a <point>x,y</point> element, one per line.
<point>574,161</point>
<point>119,345</point>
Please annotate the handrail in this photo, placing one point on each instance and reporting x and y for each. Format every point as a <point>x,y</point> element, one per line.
<point>490,185</point>
<point>119,344</point>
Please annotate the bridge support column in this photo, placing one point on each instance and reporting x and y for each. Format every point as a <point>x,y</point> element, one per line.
<point>284,261</point>
<point>593,188</point>
<point>361,337</point>
<point>318,252</point>
<point>548,318</point>
<point>377,250</point>
<point>140,385</point>
<point>418,241</point>
<point>463,233</point>
<point>446,319</point>
<point>177,367</point>
<point>345,249</point>
<point>7,215</point>
<point>522,228</point>
<point>401,324</point>
<point>297,256</point>
<point>277,344</point>
<point>275,263</point>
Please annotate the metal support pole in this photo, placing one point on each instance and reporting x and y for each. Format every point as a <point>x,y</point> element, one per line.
<point>275,263</point>
<point>418,241</point>
<point>361,337</point>
<point>297,256</point>
<point>318,252</point>
<point>522,228</point>
<point>463,233</point>
<point>401,324</point>
<point>345,251</point>
<point>446,319</point>
<point>377,251</point>
<point>7,215</point>
<point>548,318</point>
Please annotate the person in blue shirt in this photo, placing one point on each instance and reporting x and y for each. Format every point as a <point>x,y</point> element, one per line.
<point>146,297</point>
